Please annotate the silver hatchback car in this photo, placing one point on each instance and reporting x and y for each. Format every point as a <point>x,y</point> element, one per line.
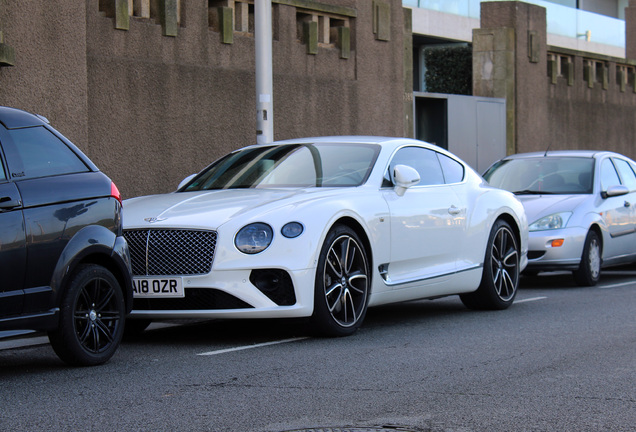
<point>581,206</point>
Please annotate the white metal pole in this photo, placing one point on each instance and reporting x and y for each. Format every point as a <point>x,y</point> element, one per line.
<point>264,80</point>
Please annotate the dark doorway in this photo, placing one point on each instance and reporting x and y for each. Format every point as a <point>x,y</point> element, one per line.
<point>432,121</point>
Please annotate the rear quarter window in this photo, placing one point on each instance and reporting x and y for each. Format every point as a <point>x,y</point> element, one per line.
<point>37,152</point>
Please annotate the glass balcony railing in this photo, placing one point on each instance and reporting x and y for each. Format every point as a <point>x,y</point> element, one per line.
<point>561,20</point>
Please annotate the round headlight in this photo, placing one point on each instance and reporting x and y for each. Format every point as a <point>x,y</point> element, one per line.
<point>254,238</point>
<point>554,221</point>
<point>292,229</point>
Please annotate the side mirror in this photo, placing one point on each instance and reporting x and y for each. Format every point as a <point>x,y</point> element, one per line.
<point>185,181</point>
<point>613,191</point>
<point>404,177</point>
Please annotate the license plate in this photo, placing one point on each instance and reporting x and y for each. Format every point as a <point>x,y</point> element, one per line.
<point>157,287</point>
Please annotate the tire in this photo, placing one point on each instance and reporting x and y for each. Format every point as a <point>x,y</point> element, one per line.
<point>500,278</point>
<point>92,315</point>
<point>342,285</point>
<point>589,271</point>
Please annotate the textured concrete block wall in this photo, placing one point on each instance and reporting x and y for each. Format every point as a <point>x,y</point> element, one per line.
<point>545,109</point>
<point>151,103</point>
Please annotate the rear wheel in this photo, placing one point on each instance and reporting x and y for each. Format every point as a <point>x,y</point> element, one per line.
<point>500,277</point>
<point>589,271</point>
<point>342,284</point>
<point>92,316</point>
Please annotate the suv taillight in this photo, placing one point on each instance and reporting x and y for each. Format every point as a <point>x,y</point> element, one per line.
<point>114,192</point>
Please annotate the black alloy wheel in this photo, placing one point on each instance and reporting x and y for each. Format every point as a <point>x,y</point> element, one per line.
<point>500,278</point>
<point>91,318</point>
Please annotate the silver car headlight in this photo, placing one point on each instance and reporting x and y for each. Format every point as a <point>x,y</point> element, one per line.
<point>254,238</point>
<point>554,221</point>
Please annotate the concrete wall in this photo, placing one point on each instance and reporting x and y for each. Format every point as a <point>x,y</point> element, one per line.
<point>150,109</point>
<point>49,76</point>
<point>550,103</point>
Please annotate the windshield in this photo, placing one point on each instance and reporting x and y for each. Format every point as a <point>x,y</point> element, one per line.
<point>291,165</point>
<point>543,175</point>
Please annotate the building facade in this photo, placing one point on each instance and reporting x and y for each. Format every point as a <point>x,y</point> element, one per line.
<point>154,90</point>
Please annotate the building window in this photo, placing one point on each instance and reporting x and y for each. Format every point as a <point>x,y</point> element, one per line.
<point>150,9</point>
<point>242,12</point>
<point>625,76</point>
<point>561,66</point>
<point>326,25</point>
<point>596,71</point>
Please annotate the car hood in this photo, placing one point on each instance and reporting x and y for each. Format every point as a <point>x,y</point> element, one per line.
<point>538,206</point>
<point>209,209</point>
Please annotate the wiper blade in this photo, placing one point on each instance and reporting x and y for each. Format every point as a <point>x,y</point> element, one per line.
<point>533,192</point>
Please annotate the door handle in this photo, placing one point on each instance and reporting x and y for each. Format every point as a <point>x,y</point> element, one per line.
<point>626,204</point>
<point>8,203</point>
<point>454,210</point>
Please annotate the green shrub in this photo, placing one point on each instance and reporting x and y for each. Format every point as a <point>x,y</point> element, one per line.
<point>449,69</point>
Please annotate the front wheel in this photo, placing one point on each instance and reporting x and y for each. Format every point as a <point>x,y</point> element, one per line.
<point>500,277</point>
<point>92,316</point>
<point>589,271</point>
<point>342,284</point>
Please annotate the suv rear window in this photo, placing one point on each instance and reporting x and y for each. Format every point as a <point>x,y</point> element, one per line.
<point>37,152</point>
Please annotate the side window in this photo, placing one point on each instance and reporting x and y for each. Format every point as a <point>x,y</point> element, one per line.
<point>453,170</point>
<point>609,177</point>
<point>423,160</point>
<point>37,152</point>
<point>3,176</point>
<point>627,174</point>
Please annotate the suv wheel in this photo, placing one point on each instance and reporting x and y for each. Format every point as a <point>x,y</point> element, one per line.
<point>92,314</point>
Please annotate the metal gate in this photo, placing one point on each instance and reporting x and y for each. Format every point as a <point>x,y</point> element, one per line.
<point>471,127</point>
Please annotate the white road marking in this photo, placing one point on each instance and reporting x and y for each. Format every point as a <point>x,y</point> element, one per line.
<point>616,285</point>
<point>530,299</point>
<point>240,348</point>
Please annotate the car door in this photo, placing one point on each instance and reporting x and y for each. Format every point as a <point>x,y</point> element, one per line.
<point>12,247</point>
<point>628,179</point>
<point>425,235</point>
<point>617,213</point>
<point>51,179</point>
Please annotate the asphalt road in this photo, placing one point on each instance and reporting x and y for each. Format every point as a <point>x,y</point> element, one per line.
<point>562,358</point>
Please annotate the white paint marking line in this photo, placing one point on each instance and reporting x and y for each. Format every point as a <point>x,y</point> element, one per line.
<point>223,351</point>
<point>616,285</point>
<point>530,299</point>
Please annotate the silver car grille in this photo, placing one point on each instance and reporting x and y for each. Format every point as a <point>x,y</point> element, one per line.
<point>160,252</point>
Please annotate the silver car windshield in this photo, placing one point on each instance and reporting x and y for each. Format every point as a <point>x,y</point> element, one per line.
<point>290,165</point>
<point>543,175</point>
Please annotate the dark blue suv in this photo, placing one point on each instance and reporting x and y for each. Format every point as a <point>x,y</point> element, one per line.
<point>64,265</point>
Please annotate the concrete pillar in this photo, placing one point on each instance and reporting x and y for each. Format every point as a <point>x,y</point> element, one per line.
<point>630,30</point>
<point>510,61</point>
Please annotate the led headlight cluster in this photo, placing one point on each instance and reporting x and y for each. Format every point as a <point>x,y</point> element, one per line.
<point>256,237</point>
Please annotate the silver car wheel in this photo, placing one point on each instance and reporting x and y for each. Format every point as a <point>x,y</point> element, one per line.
<point>345,281</point>
<point>594,258</point>
<point>505,264</point>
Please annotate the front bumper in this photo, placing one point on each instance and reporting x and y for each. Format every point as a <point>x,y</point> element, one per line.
<point>543,256</point>
<point>235,294</point>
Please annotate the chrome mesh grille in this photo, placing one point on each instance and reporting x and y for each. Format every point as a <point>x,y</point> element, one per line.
<point>161,252</point>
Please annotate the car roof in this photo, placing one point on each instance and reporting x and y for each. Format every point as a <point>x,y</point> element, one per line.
<point>13,118</point>
<point>564,153</point>
<point>361,139</point>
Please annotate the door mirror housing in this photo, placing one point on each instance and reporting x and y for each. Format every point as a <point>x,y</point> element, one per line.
<point>616,190</point>
<point>404,177</point>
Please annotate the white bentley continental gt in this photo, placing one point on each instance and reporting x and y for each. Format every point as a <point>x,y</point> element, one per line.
<point>324,228</point>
